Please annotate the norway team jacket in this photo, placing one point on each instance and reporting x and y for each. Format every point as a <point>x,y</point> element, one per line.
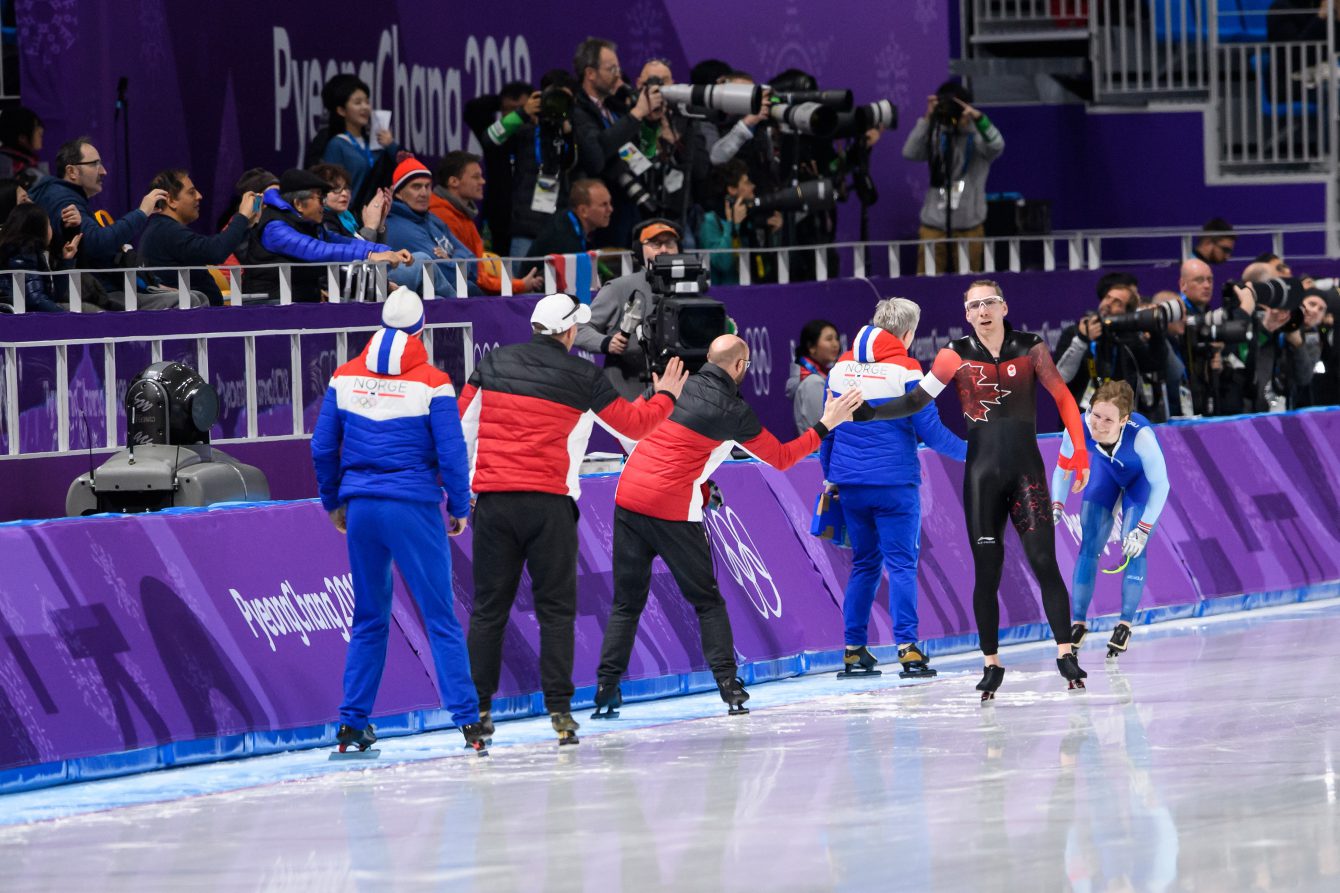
<point>664,474</point>
<point>389,428</point>
<point>527,413</point>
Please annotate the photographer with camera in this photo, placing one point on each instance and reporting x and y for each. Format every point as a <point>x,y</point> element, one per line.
<point>730,225</point>
<point>544,160</point>
<point>1203,342</point>
<point>1116,344</point>
<point>608,135</point>
<point>621,307</point>
<point>960,143</point>
<point>1285,360</point>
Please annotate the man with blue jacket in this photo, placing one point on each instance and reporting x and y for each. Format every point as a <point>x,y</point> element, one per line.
<point>410,226</point>
<point>387,444</point>
<point>875,469</point>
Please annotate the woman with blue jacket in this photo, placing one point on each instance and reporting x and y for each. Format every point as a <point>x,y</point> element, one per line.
<point>1125,462</point>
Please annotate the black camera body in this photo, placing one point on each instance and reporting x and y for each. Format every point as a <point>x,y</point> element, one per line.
<point>684,320</point>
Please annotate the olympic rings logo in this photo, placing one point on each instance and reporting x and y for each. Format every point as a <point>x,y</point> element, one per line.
<point>483,347</point>
<point>760,359</point>
<point>744,562</point>
<point>367,401</point>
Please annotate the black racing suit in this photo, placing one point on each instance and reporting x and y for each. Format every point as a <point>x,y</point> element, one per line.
<point>1004,475</point>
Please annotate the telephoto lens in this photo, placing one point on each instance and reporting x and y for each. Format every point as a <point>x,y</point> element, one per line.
<point>839,100</point>
<point>730,99</point>
<point>808,117</point>
<point>1281,294</point>
<point>812,195</point>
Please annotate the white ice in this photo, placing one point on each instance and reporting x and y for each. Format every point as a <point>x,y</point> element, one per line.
<point>1205,761</point>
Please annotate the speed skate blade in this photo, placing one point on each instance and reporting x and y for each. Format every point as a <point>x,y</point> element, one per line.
<point>858,674</point>
<point>369,754</point>
<point>919,674</point>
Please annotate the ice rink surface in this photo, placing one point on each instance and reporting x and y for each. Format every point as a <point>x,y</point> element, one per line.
<point>1205,761</point>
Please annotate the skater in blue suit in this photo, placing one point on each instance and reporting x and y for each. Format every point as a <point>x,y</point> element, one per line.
<point>875,471</point>
<point>1126,463</point>
<point>387,443</point>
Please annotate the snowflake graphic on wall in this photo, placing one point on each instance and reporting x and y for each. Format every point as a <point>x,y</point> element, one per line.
<point>48,27</point>
<point>646,27</point>
<point>795,47</point>
<point>892,72</point>
<point>926,14</point>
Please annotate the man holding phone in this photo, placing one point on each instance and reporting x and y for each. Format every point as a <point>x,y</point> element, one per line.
<point>168,240</point>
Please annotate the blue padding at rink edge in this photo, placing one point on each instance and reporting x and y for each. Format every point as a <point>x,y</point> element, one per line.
<point>229,747</point>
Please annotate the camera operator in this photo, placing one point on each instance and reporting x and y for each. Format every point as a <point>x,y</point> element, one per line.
<point>1286,359</point>
<point>960,143</point>
<point>495,121</point>
<point>1319,328</point>
<point>747,138</point>
<point>622,305</point>
<point>604,131</point>
<point>805,158</point>
<point>1109,346</point>
<point>1213,346</point>
<point>543,159</point>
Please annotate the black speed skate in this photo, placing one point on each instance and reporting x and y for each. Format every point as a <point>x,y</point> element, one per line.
<point>566,727</point>
<point>913,660</point>
<point>733,693</point>
<point>475,736</point>
<point>1121,637</point>
<point>1077,633</point>
<point>1072,671</point>
<point>355,744</point>
<point>608,700</point>
<point>858,662</point>
<point>992,677</point>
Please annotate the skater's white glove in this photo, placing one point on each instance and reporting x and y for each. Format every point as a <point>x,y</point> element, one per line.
<point>1135,541</point>
<point>1058,509</point>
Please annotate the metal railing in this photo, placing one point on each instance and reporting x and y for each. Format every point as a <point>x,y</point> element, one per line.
<point>1073,250</point>
<point>995,21</point>
<point>197,350</point>
<point>1153,50</point>
<point>1275,106</point>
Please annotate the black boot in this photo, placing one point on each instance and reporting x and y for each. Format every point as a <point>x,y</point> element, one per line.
<point>733,693</point>
<point>486,726</point>
<point>1077,633</point>
<point>360,740</point>
<point>992,677</point>
<point>566,727</point>
<point>475,737</point>
<point>1121,637</point>
<point>858,662</point>
<point>1071,670</point>
<point>608,699</point>
<point>913,660</point>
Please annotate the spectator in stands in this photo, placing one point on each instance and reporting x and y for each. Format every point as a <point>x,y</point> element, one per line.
<point>1216,245</point>
<point>64,196</point>
<point>455,200</point>
<point>256,180</point>
<point>410,227</point>
<point>12,194</point>
<point>367,156</point>
<point>589,210</point>
<point>960,144</point>
<point>23,246</point>
<point>169,242</point>
<point>543,164</point>
<point>622,305</point>
<point>337,216</point>
<point>816,352</point>
<point>728,225</point>
<point>496,121</point>
<point>291,231</point>
<point>601,129</point>
<point>20,140</point>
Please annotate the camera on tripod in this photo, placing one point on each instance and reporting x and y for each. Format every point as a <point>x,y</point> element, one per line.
<point>684,320</point>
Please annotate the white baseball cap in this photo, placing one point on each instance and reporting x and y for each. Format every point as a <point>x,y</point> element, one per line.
<point>558,313</point>
<point>403,310</point>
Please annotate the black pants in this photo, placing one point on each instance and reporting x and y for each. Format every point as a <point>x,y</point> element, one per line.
<point>1015,488</point>
<point>538,530</point>
<point>684,548</point>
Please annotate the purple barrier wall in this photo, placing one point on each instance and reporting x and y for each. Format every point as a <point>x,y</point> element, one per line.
<point>198,105</point>
<point>135,631</point>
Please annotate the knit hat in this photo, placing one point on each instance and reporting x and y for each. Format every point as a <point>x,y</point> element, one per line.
<point>407,170</point>
<point>558,313</point>
<point>403,311</point>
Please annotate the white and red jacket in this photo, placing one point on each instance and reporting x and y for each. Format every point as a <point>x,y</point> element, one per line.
<point>665,472</point>
<point>527,414</point>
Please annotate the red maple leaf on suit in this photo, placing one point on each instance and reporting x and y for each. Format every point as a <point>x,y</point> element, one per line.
<point>982,393</point>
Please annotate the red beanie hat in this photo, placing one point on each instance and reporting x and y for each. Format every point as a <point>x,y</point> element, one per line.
<point>407,170</point>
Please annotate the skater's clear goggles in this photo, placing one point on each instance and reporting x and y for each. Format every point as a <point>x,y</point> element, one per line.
<point>974,306</point>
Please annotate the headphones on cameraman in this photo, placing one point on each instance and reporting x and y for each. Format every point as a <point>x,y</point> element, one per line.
<point>638,264</point>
